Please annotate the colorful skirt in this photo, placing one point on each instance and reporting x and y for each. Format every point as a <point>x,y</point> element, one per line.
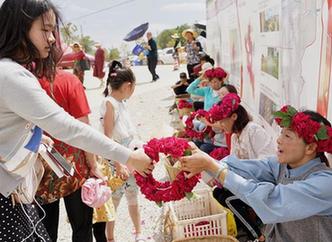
<point>20,223</point>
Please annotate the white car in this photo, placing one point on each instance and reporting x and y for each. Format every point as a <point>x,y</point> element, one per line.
<point>165,56</point>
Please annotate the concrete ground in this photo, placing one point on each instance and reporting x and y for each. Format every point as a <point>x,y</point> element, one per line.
<point>149,108</point>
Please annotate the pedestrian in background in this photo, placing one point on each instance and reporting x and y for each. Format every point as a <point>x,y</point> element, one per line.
<point>152,56</point>
<point>98,70</point>
<point>79,59</point>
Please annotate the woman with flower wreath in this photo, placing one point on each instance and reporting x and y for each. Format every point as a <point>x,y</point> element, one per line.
<point>216,77</point>
<point>291,192</point>
<point>248,141</point>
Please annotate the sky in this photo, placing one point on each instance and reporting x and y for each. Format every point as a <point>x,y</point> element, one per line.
<point>110,26</point>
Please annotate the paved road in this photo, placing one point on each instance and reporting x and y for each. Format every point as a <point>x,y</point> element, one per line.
<point>149,108</point>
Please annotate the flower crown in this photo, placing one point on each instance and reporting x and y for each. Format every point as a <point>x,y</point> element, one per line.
<point>215,73</point>
<point>310,130</point>
<point>229,104</point>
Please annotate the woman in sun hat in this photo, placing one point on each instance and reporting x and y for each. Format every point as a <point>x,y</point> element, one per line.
<point>192,48</point>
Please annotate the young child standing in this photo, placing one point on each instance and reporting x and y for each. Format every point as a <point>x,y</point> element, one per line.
<point>117,125</point>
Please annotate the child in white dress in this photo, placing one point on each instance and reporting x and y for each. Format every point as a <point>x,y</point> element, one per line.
<point>118,126</point>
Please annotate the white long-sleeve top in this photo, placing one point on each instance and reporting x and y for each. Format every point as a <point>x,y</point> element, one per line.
<point>24,103</point>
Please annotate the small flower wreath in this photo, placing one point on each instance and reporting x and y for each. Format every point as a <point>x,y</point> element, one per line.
<point>181,187</point>
<point>189,129</point>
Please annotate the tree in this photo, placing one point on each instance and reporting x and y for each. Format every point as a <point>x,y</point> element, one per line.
<point>68,33</point>
<point>164,39</point>
<point>114,54</point>
<point>87,44</point>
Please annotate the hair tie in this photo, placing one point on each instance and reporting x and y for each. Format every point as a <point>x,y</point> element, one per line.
<point>113,74</point>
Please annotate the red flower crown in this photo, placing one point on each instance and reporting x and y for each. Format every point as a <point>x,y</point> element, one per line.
<point>217,72</point>
<point>189,129</point>
<point>229,104</point>
<point>310,130</point>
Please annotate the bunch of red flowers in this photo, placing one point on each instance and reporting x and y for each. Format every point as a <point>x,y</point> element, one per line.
<point>308,129</point>
<point>219,153</point>
<point>216,73</point>
<point>189,129</point>
<point>184,104</point>
<point>166,191</point>
<point>228,105</point>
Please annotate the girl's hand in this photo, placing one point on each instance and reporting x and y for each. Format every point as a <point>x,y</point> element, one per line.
<point>121,171</point>
<point>140,162</point>
<point>197,162</point>
<point>95,171</point>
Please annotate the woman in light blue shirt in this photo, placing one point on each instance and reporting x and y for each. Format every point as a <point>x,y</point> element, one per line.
<point>216,77</point>
<point>292,192</point>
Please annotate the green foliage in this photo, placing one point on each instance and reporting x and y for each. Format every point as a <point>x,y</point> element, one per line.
<point>114,54</point>
<point>165,40</point>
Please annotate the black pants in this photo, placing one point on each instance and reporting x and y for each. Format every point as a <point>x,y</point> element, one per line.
<point>205,147</point>
<point>190,69</point>
<point>99,231</point>
<point>244,215</point>
<point>152,63</point>
<point>79,215</point>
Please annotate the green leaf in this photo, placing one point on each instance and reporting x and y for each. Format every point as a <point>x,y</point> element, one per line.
<point>159,204</point>
<point>286,122</point>
<point>322,133</point>
<point>280,114</point>
<point>187,152</point>
<point>291,111</point>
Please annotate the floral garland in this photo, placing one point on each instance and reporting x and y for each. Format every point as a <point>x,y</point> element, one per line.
<point>219,153</point>
<point>184,104</point>
<point>308,129</point>
<point>167,191</point>
<point>217,72</point>
<point>228,105</point>
<point>189,129</point>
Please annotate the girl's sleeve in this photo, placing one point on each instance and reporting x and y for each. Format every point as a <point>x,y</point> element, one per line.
<point>24,96</point>
<point>280,203</point>
<point>261,142</point>
<point>194,89</point>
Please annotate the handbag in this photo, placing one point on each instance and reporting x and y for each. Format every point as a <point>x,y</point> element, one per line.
<point>85,64</point>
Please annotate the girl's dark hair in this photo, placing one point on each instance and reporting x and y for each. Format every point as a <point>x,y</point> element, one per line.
<point>320,119</point>
<point>230,88</point>
<point>16,18</point>
<point>207,58</point>
<point>117,77</point>
<point>243,118</point>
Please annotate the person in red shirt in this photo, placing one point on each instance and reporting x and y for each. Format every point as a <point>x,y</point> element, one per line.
<point>98,70</point>
<point>79,58</point>
<point>68,92</point>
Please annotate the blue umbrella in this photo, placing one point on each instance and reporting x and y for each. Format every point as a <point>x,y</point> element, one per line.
<point>137,32</point>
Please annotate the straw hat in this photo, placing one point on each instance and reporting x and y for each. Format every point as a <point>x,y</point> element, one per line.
<point>194,33</point>
<point>98,44</point>
<point>76,44</point>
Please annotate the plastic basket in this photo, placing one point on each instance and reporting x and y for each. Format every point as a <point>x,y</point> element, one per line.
<point>202,216</point>
<point>220,238</point>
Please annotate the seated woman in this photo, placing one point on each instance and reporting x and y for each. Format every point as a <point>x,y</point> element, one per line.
<point>216,77</point>
<point>248,141</point>
<point>291,192</point>
<point>220,139</point>
<point>180,87</point>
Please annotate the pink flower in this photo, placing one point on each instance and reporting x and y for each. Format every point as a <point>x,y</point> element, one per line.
<point>95,193</point>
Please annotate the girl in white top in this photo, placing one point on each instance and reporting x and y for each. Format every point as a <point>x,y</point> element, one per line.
<point>117,125</point>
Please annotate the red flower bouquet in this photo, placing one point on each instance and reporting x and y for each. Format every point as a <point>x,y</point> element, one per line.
<point>189,129</point>
<point>219,153</point>
<point>184,104</point>
<point>166,191</point>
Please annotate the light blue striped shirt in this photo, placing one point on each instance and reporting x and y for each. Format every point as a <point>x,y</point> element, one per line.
<point>254,182</point>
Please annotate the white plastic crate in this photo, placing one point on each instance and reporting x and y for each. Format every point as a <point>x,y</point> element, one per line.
<point>202,216</point>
